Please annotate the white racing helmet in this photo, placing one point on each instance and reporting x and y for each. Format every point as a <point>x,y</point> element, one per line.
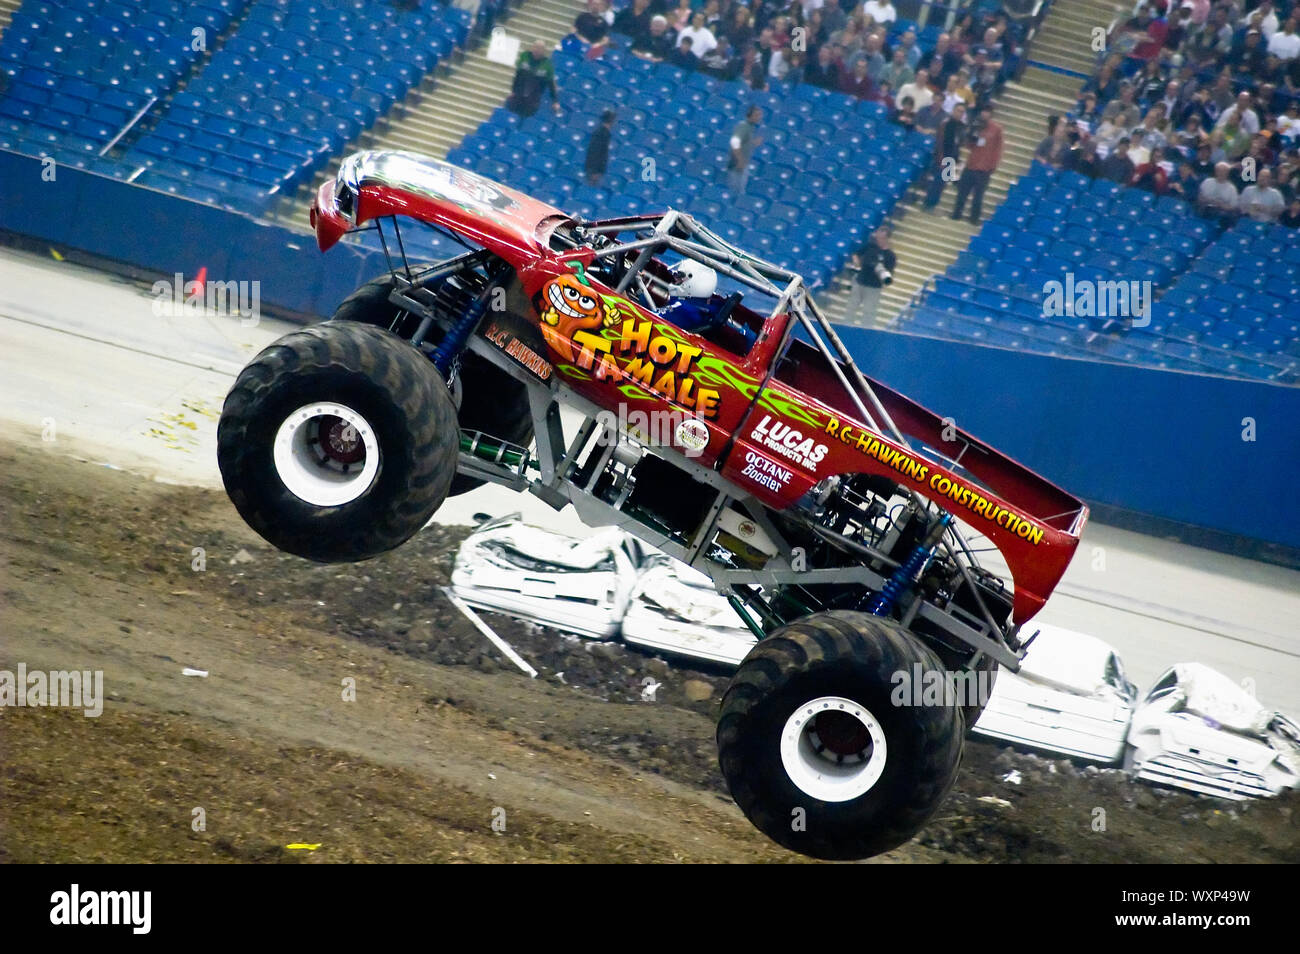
<point>694,280</point>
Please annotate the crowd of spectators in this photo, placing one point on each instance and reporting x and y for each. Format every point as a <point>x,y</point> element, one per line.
<point>1197,99</point>
<point>850,46</point>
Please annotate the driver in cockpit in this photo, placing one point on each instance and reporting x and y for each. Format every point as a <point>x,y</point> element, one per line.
<point>690,306</point>
<point>694,304</point>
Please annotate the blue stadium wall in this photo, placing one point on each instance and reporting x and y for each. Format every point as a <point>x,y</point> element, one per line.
<point>1131,441</point>
<point>157,232</point>
<point>1153,449</point>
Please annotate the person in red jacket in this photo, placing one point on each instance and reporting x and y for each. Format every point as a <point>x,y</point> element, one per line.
<point>1151,174</point>
<point>985,154</point>
<point>1151,32</point>
<point>857,82</point>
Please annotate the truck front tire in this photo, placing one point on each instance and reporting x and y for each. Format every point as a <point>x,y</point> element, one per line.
<point>338,442</point>
<point>491,401</point>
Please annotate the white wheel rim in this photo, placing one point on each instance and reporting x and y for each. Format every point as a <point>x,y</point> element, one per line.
<point>308,461</point>
<point>816,768</point>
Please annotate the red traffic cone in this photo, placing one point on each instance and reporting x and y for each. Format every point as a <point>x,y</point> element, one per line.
<point>201,279</point>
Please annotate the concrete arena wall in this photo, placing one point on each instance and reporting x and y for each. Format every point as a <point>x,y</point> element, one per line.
<point>1156,444</point>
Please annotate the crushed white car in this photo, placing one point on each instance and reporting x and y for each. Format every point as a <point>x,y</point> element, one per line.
<point>1198,730</point>
<point>1195,729</point>
<point>676,610</point>
<point>602,586</point>
<point>578,585</point>
<point>1071,696</point>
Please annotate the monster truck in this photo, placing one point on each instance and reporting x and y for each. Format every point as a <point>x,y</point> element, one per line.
<point>729,429</point>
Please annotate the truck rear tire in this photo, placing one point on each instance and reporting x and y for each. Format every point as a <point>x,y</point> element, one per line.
<point>820,750</point>
<point>986,677</point>
<point>490,400</point>
<point>338,442</point>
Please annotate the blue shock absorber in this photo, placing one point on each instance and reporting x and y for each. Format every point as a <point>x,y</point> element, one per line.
<point>908,570</point>
<point>454,341</point>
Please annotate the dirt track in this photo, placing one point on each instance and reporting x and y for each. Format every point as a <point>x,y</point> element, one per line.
<point>442,739</point>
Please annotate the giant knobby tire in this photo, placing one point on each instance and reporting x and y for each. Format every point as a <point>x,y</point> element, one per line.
<point>986,675</point>
<point>827,681</point>
<point>357,422</point>
<point>490,400</point>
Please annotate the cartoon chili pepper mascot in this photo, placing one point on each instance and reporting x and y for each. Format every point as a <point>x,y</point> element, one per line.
<point>568,304</point>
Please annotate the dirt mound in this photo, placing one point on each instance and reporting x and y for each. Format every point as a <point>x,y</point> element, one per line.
<point>446,752</point>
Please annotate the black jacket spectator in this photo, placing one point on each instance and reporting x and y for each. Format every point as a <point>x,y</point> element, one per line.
<point>634,19</point>
<point>1105,84</point>
<point>752,69</point>
<point>740,34</point>
<point>951,63</point>
<point>1180,28</point>
<point>1199,106</point>
<point>932,118</point>
<point>597,160</point>
<point>1202,165</point>
<point>1118,167</point>
<point>948,143</point>
<point>1185,184</point>
<point>683,57</point>
<point>534,77</point>
<point>870,255</point>
<point>1152,87</point>
<point>1083,159</point>
<point>1248,57</point>
<point>824,71</point>
<point>657,47</point>
<point>591,27</point>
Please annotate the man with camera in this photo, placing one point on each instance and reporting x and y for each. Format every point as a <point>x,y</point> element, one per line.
<point>983,158</point>
<point>875,262</point>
